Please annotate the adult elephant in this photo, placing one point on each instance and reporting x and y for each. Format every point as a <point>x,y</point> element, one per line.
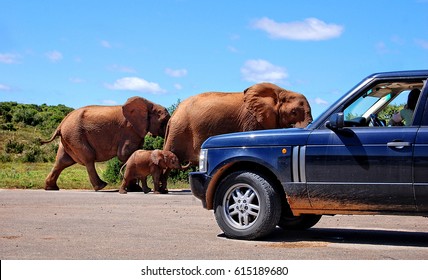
<point>98,133</point>
<point>261,106</point>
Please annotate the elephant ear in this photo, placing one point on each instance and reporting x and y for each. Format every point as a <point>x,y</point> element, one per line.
<point>136,111</point>
<point>158,159</point>
<point>262,100</point>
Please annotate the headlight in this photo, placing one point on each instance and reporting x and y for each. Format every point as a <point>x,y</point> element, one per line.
<point>203,160</point>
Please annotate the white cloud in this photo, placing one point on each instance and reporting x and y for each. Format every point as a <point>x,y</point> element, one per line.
<point>120,68</point>
<point>232,49</point>
<point>176,73</point>
<point>106,44</point>
<point>178,86</point>
<point>422,43</point>
<point>259,70</point>
<point>9,58</point>
<point>136,84</point>
<point>76,80</point>
<point>5,87</point>
<point>381,48</point>
<point>54,56</point>
<point>320,101</point>
<point>310,29</point>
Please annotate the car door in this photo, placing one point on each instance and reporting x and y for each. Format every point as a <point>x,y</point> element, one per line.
<point>421,170</point>
<point>360,163</point>
<point>421,158</point>
<point>361,169</point>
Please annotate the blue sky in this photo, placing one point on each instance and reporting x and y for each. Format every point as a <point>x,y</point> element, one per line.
<point>81,53</point>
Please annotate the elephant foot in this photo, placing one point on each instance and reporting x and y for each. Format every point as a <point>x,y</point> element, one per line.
<point>134,188</point>
<point>51,187</point>
<point>123,192</point>
<point>161,191</point>
<point>100,187</point>
<point>147,190</point>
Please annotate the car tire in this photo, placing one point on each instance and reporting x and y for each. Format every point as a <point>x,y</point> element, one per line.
<point>246,206</point>
<point>304,221</point>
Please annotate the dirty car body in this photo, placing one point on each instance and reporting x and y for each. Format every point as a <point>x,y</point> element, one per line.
<point>348,161</point>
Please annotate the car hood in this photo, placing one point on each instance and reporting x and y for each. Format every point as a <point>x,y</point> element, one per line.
<point>272,137</point>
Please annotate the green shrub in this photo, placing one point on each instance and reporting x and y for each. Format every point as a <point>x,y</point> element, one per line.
<point>33,153</point>
<point>112,172</point>
<point>152,143</point>
<point>181,175</point>
<point>8,126</point>
<point>14,147</point>
<point>4,157</point>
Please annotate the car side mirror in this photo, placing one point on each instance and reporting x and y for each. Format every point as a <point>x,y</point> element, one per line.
<point>336,122</point>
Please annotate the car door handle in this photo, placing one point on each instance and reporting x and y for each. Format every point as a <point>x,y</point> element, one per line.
<point>398,144</point>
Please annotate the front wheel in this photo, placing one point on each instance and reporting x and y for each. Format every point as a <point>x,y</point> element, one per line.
<point>246,206</point>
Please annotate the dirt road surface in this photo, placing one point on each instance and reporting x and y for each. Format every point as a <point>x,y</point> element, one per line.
<point>87,225</point>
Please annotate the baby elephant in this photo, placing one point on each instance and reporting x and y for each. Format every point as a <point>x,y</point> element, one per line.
<point>143,163</point>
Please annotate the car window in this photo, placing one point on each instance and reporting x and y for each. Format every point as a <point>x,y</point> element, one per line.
<point>361,107</point>
<point>383,104</point>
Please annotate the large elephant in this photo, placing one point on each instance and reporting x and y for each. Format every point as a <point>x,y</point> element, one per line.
<point>98,133</point>
<point>261,106</point>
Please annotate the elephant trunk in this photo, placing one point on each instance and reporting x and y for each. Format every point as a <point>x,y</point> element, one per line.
<point>308,119</point>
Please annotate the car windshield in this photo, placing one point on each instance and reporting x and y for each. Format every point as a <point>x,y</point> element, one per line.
<point>365,105</point>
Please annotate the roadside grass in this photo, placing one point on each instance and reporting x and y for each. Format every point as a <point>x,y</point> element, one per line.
<point>16,175</point>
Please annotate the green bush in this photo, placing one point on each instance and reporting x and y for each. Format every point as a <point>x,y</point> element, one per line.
<point>8,126</point>
<point>181,175</point>
<point>28,123</point>
<point>152,143</point>
<point>4,157</point>
<point>32,154</point>
<point>112,173</point>
<point>14,147</point>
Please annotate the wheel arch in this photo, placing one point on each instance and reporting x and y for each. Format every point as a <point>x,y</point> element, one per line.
<point>246,165</point>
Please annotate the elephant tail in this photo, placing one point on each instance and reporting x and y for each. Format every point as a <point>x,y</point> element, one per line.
<point>121,169</point>
<point>54,135</point>
<point>166,135</point>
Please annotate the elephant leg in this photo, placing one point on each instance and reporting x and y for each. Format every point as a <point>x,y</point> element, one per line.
<point>156,184</point>
<point>63,160</point>
<point>133,186</point>
<point>122,188</point>
<point>129,185</point>
<point>96,182</point>
<point>159,188</point>
<point>163,188</point>
<point>146,189</point>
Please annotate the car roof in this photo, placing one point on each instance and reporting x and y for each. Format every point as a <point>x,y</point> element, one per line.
<point>393,74</point>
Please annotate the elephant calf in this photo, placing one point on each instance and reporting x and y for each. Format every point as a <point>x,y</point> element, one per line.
<point>143,163</point>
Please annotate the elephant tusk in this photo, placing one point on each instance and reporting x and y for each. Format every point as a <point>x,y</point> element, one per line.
<point>187,166</point>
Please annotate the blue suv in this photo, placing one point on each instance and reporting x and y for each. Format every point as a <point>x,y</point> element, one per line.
<point>353,159</point>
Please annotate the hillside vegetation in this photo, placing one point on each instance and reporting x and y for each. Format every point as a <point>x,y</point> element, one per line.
<point>23,125</point>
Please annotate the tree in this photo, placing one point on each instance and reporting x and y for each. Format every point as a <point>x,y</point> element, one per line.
<point>171,109</point>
